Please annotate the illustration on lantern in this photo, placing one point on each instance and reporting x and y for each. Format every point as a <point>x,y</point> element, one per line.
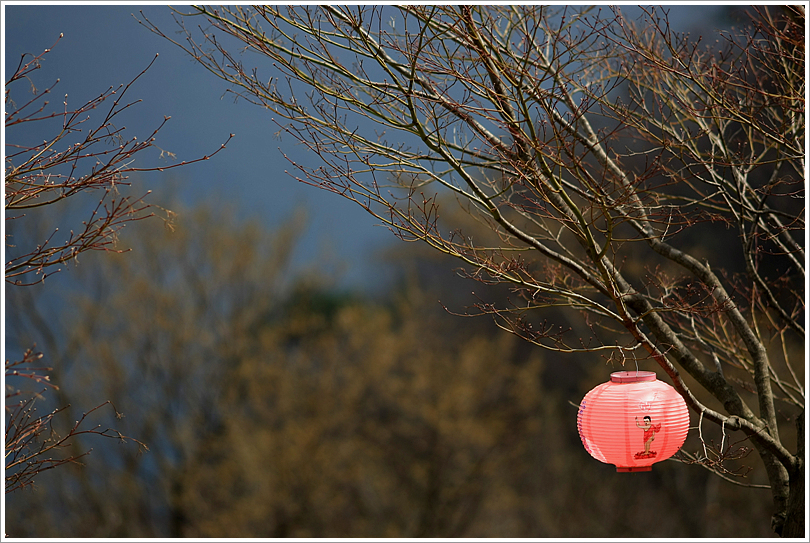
<point>649,435</point>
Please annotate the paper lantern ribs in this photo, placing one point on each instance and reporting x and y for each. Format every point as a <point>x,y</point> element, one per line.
<point>633,421</point>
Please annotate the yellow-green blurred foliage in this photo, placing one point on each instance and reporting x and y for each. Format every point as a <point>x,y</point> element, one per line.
<point>275,406</point>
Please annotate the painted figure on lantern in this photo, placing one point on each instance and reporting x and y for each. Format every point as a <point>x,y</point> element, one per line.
<point>649,435</point>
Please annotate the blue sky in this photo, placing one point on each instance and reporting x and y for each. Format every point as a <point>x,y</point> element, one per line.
<point>105,45</point>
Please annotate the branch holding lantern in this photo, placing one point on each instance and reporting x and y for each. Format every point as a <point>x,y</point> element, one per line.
<point>733,422</point>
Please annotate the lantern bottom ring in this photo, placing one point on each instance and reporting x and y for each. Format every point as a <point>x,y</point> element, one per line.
<point>633,469</point>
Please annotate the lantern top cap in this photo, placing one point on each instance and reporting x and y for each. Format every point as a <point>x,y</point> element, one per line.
<point>632,376</point>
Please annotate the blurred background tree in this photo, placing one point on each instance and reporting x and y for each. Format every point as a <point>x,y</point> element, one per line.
<point>276,405</point>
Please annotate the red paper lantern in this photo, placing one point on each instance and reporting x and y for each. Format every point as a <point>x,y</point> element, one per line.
<point>633,421</point>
